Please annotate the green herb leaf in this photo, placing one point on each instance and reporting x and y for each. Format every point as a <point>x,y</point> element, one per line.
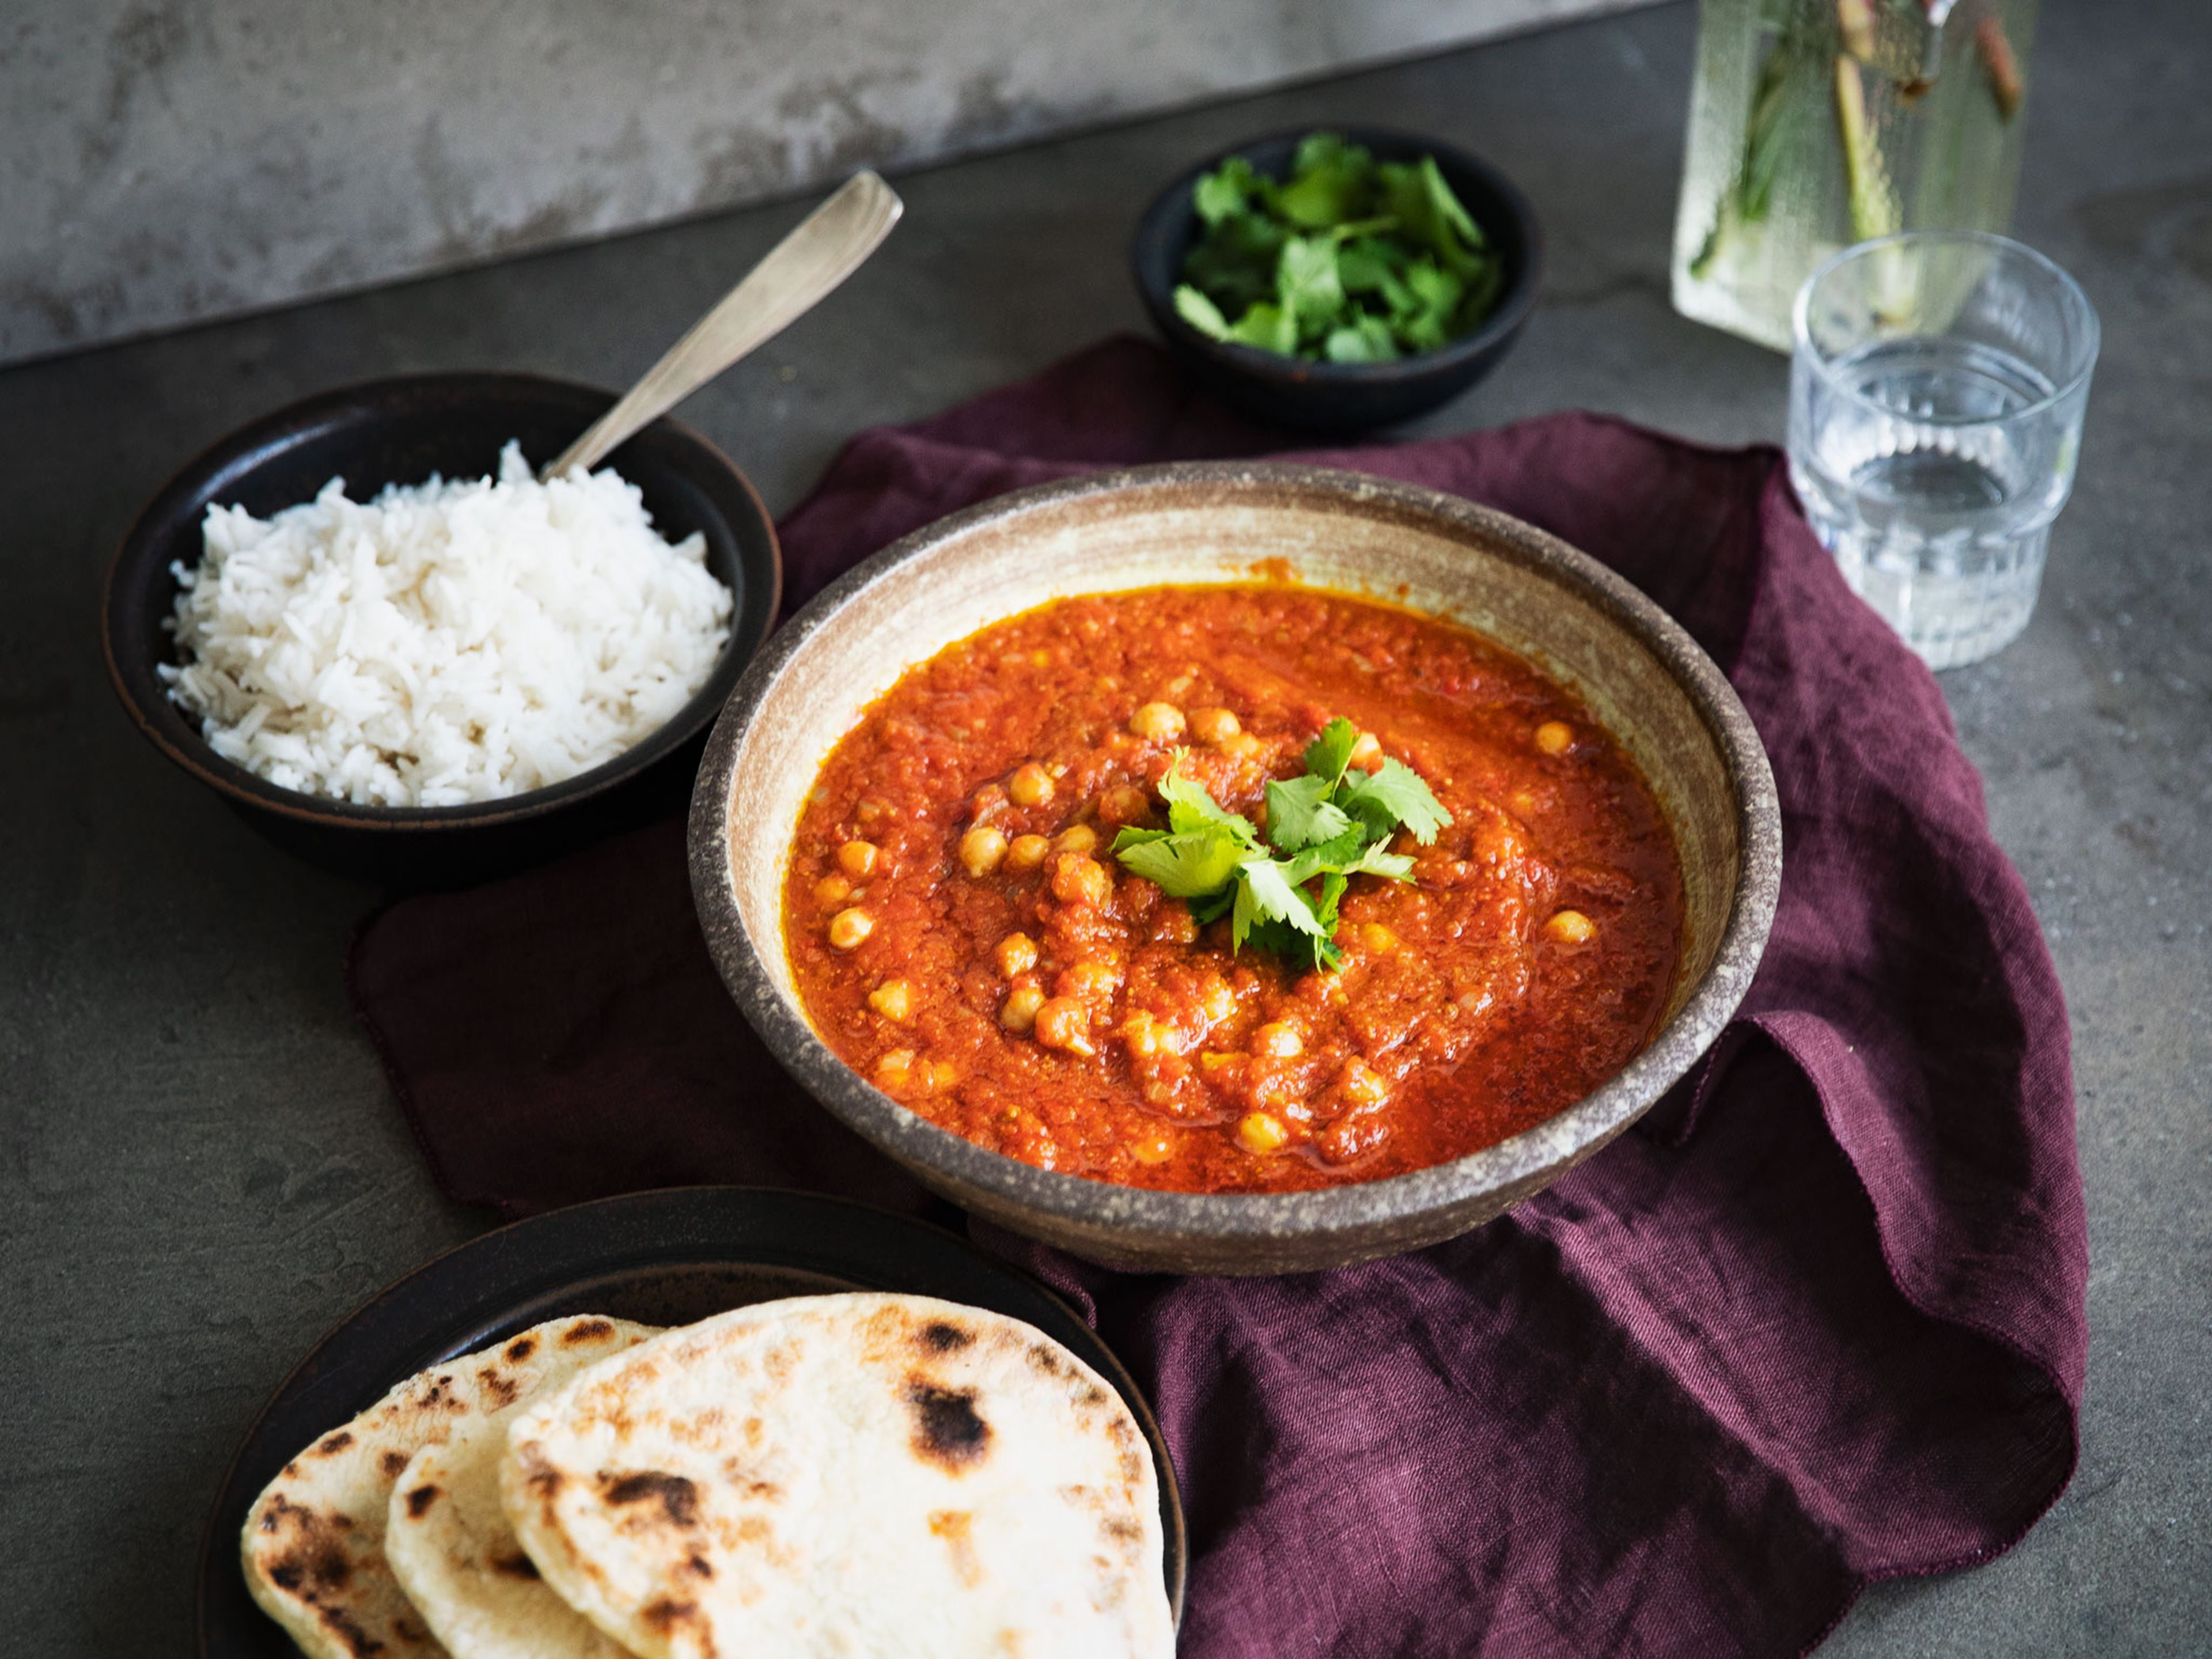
<point>1268,327</point>
<point>1191,809</point>
<point>1395,794</point>
<point>1200,312</point>
<point>1187,866</point>
<point>1263,891</point>
<point>1306,281</point>
<point>1327,755</point>
<point>1300,813</point>
<point>1226,192</point>
<point>1366,340</point>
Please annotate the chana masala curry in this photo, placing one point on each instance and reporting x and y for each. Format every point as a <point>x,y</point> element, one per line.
<point>974,923</point>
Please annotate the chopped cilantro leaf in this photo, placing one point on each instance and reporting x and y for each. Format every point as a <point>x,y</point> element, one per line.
<point>1393,795</point>
<point>1300,813</point>
<point>1187,866</point>
<point>1327,755</point>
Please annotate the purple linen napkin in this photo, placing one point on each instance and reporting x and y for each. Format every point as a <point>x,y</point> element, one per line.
<point>1819,1322</point>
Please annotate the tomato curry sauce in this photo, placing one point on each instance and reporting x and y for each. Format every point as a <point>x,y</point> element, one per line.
<point>960,934</point>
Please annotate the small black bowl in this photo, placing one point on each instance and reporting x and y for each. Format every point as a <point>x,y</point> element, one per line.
<point>402,431</point>
<point>1323,397</point>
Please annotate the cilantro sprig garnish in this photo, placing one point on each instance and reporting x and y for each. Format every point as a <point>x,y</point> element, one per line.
<point>1327,827</point>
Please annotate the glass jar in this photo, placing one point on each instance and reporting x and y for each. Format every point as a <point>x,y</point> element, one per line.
<point>1818,124</point>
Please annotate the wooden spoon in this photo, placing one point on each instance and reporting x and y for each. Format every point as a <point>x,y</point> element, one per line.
<point>828,247</point>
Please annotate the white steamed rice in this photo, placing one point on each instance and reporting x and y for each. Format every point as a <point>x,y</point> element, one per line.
<point>444,642</point>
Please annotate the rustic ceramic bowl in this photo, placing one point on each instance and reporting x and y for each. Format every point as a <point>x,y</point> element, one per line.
<point>1636,670</point>
<point>401,431</point>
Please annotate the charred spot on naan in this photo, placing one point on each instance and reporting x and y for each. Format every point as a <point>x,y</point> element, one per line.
<point>421,1499</point>
<point>312,1558</point>
<point>331,1445</point>
<point>948,1430</point>
<point>665,1613</point>
<point>941,1336</point>
<point>517,1566</point>
<point>521,1348</point>
<point>678,1496</point>
<point>586,1330</point>
<point>394,1463</point>
<point>499,1391</point>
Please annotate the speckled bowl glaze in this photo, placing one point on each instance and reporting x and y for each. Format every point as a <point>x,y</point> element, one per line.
<point>1636,670</point>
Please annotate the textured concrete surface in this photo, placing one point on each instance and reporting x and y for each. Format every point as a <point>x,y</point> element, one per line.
<point>202,1170</point>
<point>166,161</point>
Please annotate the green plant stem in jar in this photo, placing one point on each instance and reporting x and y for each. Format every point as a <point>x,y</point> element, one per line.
<point>1818,124</point>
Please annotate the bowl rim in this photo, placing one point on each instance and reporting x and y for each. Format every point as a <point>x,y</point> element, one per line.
<point>247,789</point>
<point>1144,1215</point>
<point>1514,302</point>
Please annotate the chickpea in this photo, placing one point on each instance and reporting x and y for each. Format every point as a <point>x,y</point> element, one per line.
<point>832,889</point>
<point>1555,736</point>
<point>1218,1067</point>
<point>1219,1001</point>
<point>1152,1146</point>
<point>1378,937</point>
<point>1076,838</point>
<point>1025,853</point>
<point>849,927</point>
<point>857,858</point>
<point>1148,1036</point>
<point>1030,785</point>
<point>1079,880</point>
<point>1278,1039</point>
<point>1093,981</point>
<point>1242,744</point>
<point>980,850</point>
<point>1362,1085</point>
<point>893,999</point>
<point>1367,752</point>
<point>1570,927</point>
<point>1017,954</point>
<point>1123,804</point>
<point>896,1069</point>
<point>1261,1132</point>
<point>1214,726</point>
<point>943,1074</point>
<point>1179,687</point>
<point>1019,1011</point>
<point>1064,1023</point>
<point>1159,722</point>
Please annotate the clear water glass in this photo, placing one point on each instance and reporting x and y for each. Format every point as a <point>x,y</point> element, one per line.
<point>1937,391</point>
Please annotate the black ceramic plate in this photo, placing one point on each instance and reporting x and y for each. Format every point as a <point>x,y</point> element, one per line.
<point>664,1258</point>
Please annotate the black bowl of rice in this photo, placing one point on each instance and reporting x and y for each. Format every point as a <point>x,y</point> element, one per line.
<point>440,670</point>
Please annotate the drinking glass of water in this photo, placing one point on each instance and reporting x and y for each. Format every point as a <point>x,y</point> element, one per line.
<point>1935,398</point>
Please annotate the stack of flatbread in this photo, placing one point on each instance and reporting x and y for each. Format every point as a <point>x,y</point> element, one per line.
<point>851,1475</point>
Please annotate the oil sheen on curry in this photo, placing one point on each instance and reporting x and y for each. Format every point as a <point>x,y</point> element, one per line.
<point>961,934</point>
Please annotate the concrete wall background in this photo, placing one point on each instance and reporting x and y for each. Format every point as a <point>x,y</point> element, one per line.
<point>165,162</point>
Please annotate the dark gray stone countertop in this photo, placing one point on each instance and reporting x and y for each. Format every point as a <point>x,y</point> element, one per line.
<point>201,1168</point>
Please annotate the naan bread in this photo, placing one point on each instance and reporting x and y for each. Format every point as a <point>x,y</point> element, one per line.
<point>313,1543</point>
<point>851,1475</point>
<point>448,1541</point>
